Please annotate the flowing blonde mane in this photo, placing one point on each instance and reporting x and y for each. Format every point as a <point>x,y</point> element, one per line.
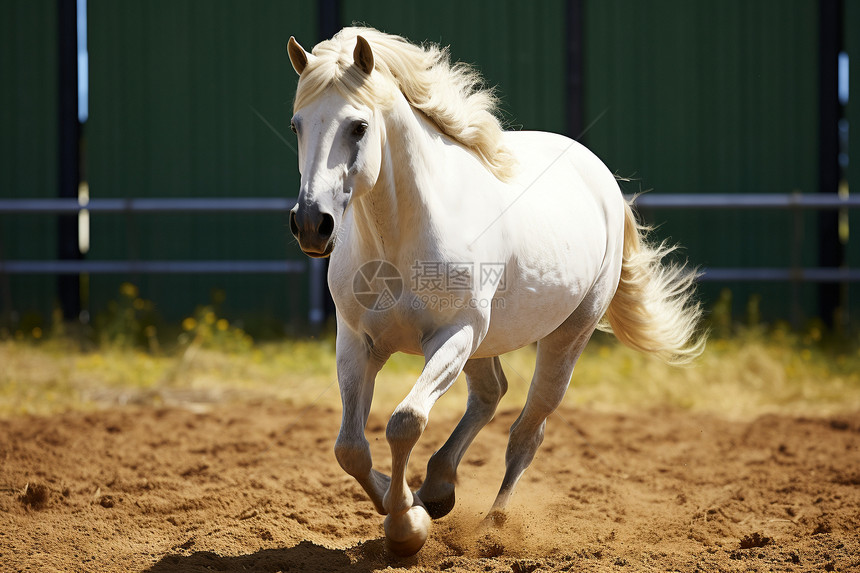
<point>450,95</point>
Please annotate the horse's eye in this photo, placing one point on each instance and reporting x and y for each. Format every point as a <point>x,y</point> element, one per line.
<point>293,127</point>
<point>359,129</point>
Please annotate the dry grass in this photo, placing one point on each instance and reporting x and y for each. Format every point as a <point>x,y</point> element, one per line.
<point>741,377</point>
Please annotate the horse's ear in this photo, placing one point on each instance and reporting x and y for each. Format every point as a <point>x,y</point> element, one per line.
<point>363,55</point>
<point>298,55</point>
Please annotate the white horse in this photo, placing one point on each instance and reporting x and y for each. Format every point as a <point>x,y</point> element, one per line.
<point>455,240</point>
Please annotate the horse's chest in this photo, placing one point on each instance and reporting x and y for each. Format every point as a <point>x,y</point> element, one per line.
<point>378,310</point>
<point>390,330</point>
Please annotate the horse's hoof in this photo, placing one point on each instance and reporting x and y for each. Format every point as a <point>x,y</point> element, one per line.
<point>439,507</point>
<point>496,518</point>
<point>405,534</point>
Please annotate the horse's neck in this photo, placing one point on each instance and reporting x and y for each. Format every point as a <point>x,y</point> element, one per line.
<point>396,215</point>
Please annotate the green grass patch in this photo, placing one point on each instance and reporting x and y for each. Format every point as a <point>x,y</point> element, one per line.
<point>130,356</point>
<point>753,372</point>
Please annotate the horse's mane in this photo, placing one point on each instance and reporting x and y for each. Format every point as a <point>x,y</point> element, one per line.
<point>450,95</point>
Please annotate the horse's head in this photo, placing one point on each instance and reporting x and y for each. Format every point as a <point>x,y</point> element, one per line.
<point>345,89</point>
<point>339,137</point>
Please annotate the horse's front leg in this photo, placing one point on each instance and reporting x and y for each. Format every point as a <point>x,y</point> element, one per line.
<point>407,523</point>
<point>357,366</point>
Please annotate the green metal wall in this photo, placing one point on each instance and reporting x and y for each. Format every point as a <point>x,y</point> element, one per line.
<point>28,149</point>
<point>706,96</point>
<point>518,46</point>
<point>175,93</point>
<point>714,96</point>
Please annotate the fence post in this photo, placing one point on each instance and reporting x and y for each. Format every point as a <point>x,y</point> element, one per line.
<point>831,251</point>
<point>68,285</point>
<point>328,18</point>
<point>316,292</point>
<point>574,26</point>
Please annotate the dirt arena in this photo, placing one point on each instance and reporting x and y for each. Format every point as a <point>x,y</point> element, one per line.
<point>257,488</point>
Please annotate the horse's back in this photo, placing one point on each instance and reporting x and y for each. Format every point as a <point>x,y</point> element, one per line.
<point>565,191</point>
<point>564,226</point>
<point>547,155</point>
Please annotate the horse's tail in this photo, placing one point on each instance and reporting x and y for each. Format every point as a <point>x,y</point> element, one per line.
<point>653,309</point>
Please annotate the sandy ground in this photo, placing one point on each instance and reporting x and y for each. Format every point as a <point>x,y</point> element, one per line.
<point>257,488</point>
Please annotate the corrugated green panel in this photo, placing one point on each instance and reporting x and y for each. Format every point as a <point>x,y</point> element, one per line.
<point>852,47</point>
<point>712,97</point>
<point>28,146</point>
<point>519,47</point>
<point>175,93</point>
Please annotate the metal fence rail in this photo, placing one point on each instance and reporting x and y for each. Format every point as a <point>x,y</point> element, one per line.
<point>268,204</point>
<point>819,201</point>
<point>809,275</point>
<point>779,201</point>
<point>150,267</point>
<point>799,201</point>
<point>135,206</point>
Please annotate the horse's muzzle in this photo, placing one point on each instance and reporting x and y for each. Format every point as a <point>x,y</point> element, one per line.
<point>313,229</point>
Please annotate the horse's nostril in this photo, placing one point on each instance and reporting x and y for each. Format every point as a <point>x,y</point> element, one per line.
<point>294,227</point>
<point>326,226</point>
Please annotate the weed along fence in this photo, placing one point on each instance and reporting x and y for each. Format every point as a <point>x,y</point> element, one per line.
<point>312,271</point>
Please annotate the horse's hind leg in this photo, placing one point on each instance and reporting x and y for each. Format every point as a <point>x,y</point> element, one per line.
<point>487,385</point>
<point>556,356</point>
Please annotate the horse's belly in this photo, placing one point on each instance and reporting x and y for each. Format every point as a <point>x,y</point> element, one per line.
<point>525,315</point>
